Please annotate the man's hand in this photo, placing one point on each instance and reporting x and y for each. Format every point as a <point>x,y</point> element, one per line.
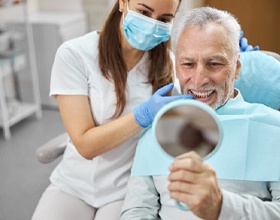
<point>194,183</point>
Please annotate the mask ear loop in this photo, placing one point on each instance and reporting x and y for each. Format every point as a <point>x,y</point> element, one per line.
<point>127,8</point>
<point>126,2</point>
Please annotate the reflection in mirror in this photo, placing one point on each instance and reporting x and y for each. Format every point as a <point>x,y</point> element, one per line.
<point>188,127</point>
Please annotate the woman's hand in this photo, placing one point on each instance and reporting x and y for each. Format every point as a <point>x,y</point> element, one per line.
<point>144,114</point>
<point>243,44</point>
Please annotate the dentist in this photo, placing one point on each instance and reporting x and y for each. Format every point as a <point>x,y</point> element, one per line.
<point>108,85</point>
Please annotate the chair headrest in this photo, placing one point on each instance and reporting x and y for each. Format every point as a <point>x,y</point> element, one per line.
<point>259,80</point>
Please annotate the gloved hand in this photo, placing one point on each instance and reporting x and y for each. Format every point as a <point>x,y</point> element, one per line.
<point>243,43</point>
<point>144,114</point>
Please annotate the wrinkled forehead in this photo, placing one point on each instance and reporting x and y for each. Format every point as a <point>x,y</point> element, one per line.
<point>208,39</point>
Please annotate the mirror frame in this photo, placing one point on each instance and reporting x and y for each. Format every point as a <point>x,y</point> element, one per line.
<point>194,103</point>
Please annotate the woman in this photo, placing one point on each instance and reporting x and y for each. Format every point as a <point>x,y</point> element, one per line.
<point>101,81</point>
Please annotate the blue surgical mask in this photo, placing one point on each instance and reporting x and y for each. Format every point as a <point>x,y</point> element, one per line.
<point>144,33</point>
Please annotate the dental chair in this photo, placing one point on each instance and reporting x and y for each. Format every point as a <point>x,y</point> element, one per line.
<point>273,54</point>
<point>52,149</point>
<point>263,89</point>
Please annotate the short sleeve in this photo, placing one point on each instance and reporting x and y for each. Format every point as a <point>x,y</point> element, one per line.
<point>68,75</point>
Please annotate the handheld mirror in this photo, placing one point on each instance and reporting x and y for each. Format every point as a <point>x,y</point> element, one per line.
<point>187,125</point>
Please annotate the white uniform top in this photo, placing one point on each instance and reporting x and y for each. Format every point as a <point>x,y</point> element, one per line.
<point>76,72</point>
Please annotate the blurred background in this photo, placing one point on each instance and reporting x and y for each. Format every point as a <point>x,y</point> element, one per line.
<point>30,33</point>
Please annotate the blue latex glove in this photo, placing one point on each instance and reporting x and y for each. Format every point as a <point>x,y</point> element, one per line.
<point>243,43</point>
<point>144,114</point>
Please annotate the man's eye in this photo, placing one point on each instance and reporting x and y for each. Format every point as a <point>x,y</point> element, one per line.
<point>215,64</point>
<point>188,65</point>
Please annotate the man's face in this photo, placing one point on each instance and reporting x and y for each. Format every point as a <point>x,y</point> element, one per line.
<point>205,65</point>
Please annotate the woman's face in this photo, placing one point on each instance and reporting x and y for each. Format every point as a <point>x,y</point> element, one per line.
<point>161,10</point>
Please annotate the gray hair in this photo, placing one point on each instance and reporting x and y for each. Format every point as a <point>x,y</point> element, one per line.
<point>201,17</point>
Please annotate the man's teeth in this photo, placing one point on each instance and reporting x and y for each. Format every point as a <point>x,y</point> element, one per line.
<point>201,94</point>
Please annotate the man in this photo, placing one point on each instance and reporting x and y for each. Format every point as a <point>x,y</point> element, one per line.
<point>207,64</point>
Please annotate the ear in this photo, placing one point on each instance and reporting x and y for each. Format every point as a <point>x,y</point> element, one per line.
<point>238,68</point>
<point>122,4</point>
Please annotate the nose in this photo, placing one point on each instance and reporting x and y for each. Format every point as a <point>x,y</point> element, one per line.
<point>200,76</point>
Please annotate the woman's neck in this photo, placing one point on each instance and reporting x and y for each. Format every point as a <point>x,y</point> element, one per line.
<point>131,57</point>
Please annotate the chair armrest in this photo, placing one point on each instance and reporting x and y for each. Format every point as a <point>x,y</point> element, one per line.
<point>52,149</point>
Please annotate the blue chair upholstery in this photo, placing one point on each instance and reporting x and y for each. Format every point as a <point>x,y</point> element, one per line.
<point>259,80</point>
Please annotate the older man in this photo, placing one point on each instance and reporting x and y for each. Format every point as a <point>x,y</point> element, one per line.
<point>207,64</point>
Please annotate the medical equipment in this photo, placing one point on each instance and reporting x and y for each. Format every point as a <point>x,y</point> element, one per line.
<point>14,62</point>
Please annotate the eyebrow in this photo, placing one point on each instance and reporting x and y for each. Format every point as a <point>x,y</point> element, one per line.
<point>152,10</point>
<point>184,59</point>
<point>220,58</point>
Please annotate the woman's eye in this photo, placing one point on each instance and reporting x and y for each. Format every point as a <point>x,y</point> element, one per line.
<point>148,14</point>
<point>165,20</point>
<point>144,12</point>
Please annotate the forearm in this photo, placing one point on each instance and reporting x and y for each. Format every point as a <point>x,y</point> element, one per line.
<point>141,201</point>
<point>90,139</point>
<point>242,206</point>
<point>103,138</point>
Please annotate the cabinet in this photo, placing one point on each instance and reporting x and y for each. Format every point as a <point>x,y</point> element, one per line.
<point>17,57</point>
<point>50,30</point>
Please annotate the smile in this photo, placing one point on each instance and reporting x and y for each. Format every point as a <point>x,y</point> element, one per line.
<point>202,94</point>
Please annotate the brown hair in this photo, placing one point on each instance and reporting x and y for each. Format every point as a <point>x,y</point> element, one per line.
<point>113,67</point>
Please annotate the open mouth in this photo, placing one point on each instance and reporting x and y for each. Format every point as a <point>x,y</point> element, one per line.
<point>201,94</point>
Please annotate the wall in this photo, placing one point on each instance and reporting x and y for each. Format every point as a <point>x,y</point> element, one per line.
<point>185,6</point>
<point>96,10</point>
<point>259,19</point>
<point>60,5</point>
<point>8,13</point>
